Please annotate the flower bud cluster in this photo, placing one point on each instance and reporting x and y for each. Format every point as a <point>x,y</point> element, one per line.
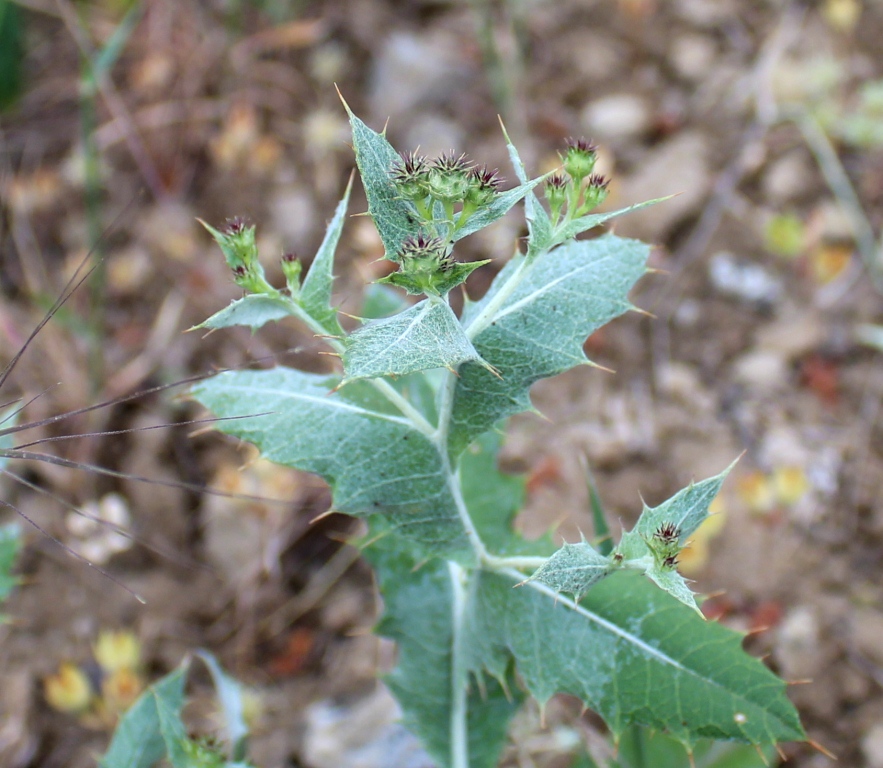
<point>578,190</point>
<point>449,179</point>
<point>426,268</point>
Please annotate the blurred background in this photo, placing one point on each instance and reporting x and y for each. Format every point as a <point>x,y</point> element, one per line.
<point>123,121</point>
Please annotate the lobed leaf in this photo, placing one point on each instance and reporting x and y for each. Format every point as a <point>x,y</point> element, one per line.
<point>427,335</point>
<point>632,654</point>
<point>573,569</point>
<point>540,329</point>
<point>569,230</point>
<point>538,222</point>
<point>229,693</point>
<point>374,459</point>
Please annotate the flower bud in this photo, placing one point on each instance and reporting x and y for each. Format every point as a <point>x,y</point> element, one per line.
<point>556,190</point>
<point>410,174</point>
<point>291,268</point>
<point>595,192</point>
<point>449,178</point>
<point>483,185</point>
<point>579,158</point>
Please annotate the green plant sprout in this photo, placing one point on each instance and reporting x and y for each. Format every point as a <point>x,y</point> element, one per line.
<point>407,435</point>
<point>153,729</point>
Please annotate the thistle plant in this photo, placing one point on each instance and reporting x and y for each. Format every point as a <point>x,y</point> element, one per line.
<point>406,435</point>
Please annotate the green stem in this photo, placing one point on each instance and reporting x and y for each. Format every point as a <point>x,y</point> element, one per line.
<point>459,673</point>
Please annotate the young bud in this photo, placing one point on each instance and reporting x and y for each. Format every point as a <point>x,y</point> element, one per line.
<point>483,185</point>
<point>665,544</point>
<point>595,192</point>
<point>579,158</point>
<point>410,174</point>
<point>237,242</point>
<point>291,268</point>
<point>556,190</point>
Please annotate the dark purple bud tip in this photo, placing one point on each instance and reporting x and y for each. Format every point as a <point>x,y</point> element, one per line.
<point>486,178</point>
<point>671,561</point>
<point>597,181</point>
<point>408,166</point>
<point>422,245</point>
<point>449,162</point>
<point>289,258</point>
<point>239,270</point>
<point>235,226</point>
<point>668,532</point>
<point>557,181</point>
<point>581,145</point>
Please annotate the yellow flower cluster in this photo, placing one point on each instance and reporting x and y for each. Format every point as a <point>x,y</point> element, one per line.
<point>99,699</point>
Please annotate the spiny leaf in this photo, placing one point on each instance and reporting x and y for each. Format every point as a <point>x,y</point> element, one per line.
<point>315,294</point>
<point>381,301</point>
<point>672,582</point>
<point>254,310</point>
<point>427,335</point>
<point>573,569</point>
<point>631,653</point>
<point>229,693</point>
<point>395,218</point>
<point>539,330</point>
<point>538,221</point>
<point>373,458</point>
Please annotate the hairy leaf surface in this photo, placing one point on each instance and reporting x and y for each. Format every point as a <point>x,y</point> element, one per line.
<point>427,335</point>
<point>394,217</point>
<point>540,329</point>
<point>634,655</point>
<point>254,310</point>
<point>374,460</point>
<point>573,569</point>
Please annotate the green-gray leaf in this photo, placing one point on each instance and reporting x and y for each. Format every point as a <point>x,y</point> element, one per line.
<point>538,222</point>
<point>634,655</point>
<point>394,217</point>
<point>420,615</point>
<point>138,740</point>
<point>571,229</point>
<point>573,569</point>
<point>427,335</point>
<point>382,301</point>
<point>539,331</point>
<point>254,310</point>
<point>374,460</point>
<point>494,210</point>
<point>315,294</point>
<point>672,582</point>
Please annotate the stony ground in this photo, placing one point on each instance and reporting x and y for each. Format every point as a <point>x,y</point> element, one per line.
<point>763,117</point>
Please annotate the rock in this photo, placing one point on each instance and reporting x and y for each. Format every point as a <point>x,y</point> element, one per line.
<point>797,647</point>
<point>678,166</point>
<point>692,55</point>
<point>872,746</point>
<point>762,370</point>
<point>365,734</point>
<point>788,178</point>
<point>743,280</point>
<point>867,634</point>
<point>617,117</point>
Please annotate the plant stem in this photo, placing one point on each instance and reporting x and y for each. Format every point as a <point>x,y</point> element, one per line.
<point>459,673</point>
<point>484,318</point>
